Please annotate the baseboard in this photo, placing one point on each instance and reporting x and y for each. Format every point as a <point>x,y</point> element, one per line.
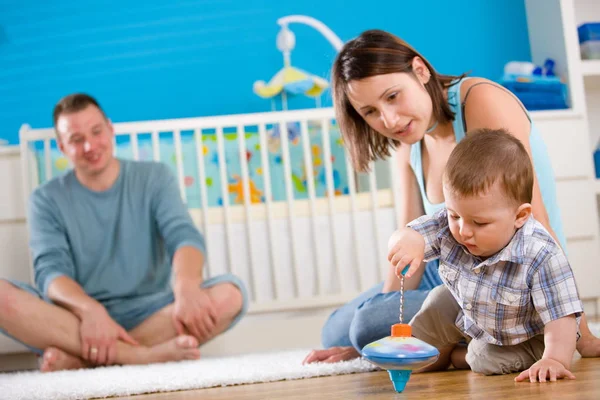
<point>270,332</point>
<point>18,362</point>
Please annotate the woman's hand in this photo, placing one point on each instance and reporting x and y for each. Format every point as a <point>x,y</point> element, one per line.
<point>332,355</point>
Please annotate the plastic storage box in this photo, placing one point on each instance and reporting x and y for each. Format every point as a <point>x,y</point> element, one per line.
<point>589,31</point>
<point>537,93</point>
<point>597,161</point>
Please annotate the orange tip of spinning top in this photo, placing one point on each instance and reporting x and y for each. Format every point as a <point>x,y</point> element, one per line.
<point>401,330</point>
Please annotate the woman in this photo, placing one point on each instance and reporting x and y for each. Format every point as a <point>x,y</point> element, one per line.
<point>387,95</point>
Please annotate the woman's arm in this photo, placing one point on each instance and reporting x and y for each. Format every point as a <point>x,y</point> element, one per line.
<point>411,207</point>
<point>493,107</point>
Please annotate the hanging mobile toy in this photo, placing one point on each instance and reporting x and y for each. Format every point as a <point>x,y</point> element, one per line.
<point>400,353</point>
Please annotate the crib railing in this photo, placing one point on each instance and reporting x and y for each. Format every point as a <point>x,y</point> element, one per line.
<point>290,267</point>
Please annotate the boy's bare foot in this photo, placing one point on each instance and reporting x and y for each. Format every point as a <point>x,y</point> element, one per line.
<point>55,359</point>
<point>180,348</point>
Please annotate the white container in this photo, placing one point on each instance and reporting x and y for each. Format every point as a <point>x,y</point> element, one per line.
<point>590,50</point>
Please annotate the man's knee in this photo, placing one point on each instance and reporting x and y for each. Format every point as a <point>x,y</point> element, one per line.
<point>8,306</point>
<point>228,299</point>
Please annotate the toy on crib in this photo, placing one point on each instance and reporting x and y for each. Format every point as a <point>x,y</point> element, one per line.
<point>291,80</point>
<point>400,353</point>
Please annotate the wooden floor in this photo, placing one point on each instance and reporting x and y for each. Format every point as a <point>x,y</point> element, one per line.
<point>448,385</point>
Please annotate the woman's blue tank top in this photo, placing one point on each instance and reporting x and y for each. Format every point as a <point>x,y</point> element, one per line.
<point>541,164</point>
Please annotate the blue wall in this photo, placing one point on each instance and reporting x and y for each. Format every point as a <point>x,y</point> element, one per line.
<point>156,59</point>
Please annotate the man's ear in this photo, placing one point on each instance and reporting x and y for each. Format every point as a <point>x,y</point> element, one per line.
<point>523,213</point>
<point>110,126</point>
<point>59,142</point>
<point>420,70</point>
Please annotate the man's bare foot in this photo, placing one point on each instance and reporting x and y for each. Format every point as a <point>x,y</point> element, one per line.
<point>588,346</point>
<point>332,355</point>
<point>55,359</point>
<point>180,348</point>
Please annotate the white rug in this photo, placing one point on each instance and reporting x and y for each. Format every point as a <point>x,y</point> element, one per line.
<point>185,375</point>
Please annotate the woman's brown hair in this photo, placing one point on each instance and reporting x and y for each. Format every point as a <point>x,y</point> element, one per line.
<point>377,52</point>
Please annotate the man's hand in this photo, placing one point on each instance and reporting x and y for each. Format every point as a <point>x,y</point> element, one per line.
<point>194,312</point>
<point>406,246</point>
<point>545,369</point>
<point>99,334</point>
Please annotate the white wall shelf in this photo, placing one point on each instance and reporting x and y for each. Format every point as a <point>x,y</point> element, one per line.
<point>545,115</point>
<point>570,135</point>
<point>590,68</point>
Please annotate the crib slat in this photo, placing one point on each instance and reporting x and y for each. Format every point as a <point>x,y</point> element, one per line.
<point>29,183</point>
<point>354,220</point>
<point>310,181</point>
<point>225,197</point>
<point>374,208</point>
<point>325,139</point>
<point>203,194</point>
<point>28,167</point>
<point>266,172</point>
<point>155,146</point>
<point>134,146</point>
<point>48,159</point>
<point>285,153</point>
<point>247,202</point>
<point>179,161</point>
<point>393,165</point>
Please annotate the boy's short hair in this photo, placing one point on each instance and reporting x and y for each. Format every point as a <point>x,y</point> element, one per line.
<point>485,156</point>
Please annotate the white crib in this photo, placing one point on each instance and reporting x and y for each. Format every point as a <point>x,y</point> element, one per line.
<point>293,254</point>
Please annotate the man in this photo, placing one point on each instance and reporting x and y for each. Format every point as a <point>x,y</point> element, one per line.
<point>106,239</point>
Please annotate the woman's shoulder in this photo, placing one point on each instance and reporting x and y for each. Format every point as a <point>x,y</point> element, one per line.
<point>487,104</point>
<point>483,84</point>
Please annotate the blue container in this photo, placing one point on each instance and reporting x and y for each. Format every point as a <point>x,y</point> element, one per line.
<point>589,31</point>
<point>537,93</point>
<point>597,162</point>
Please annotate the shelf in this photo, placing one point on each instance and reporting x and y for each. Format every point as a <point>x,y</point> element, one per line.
<point>590,67</point>
<point>543,115</point>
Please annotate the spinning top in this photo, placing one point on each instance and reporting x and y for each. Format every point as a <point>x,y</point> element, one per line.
<point>400,354</point>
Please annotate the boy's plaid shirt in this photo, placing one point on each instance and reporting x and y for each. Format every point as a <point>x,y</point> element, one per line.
<point>509,297</point>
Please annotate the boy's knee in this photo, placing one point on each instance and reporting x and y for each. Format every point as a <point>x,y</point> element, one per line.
<point>489,361</point>
<point>483,365</point>
<point>441,302</point>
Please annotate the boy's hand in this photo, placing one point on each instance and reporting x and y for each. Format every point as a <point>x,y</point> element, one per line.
<point>406,246</point>
<point>545,369</point>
